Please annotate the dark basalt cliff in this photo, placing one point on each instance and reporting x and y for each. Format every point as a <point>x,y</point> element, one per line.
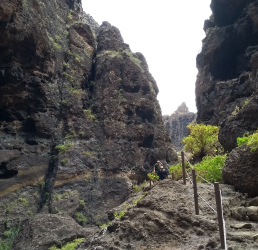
<point>226,86</point>
<point>66,82</point>
<point>176,124</point>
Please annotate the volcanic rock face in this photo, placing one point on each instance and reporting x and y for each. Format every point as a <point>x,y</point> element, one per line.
<point>241,170</point>
<point>227,65</point>
<point>79,119</point>
<point>176,125</point>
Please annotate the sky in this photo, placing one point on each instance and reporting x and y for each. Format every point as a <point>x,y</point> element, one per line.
<point>168,33</point>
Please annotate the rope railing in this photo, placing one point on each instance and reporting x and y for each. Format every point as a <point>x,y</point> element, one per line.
<point>218,198</point>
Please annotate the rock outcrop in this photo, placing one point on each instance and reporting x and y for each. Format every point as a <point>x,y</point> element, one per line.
<point>176,124</point>
<point>240,170</point>
<point>226,82</point>
<point>46,230</point>
<point>78,112</point>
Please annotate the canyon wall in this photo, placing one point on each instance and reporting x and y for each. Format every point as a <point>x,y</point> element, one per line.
<point>79,118</point>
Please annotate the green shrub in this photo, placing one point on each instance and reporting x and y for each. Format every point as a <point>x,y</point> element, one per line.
<point>81,218</point>
<point>203,140</point>
<point>10,237</point>
<point>64,161</point>
<point>24,201</point>
<point>63,148</point>
<point>89,115</point>
<point>250,140</point>
<point>69,246</point>
<point>242,140</point>
<point>30,213</point>
<point>177,170</point>
<point>57,46</point>
<point>153,177</point>
<point>82,203</point>
<point>138,188</point>
<point>210,168</point>
<point>63,102</point>
<point>120,214</point>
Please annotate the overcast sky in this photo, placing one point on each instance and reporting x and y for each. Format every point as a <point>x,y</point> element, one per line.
<point>168,33</point>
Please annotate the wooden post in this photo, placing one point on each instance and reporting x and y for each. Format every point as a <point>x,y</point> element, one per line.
<point>220,215</point>
<point>173,176</point>
<point>183,167</point>
<point>195,192</point>
<point>150,184</point>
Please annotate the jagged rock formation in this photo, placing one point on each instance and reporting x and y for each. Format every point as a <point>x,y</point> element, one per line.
<point>227,69</point>
<point>176,124</point>
<point>226,86</point>
<point>79,118</point>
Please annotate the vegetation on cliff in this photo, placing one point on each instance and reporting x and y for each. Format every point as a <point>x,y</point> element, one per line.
<point>203,140</point>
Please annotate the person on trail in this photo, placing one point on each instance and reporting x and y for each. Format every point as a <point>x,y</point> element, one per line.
<point>162,173</point>
<point>157,167</point>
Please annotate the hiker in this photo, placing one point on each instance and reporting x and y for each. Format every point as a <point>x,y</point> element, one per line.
<point>157,167</point>
<point>162,173</point>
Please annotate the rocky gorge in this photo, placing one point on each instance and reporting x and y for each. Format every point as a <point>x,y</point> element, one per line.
<point>79,118</point>
<point>80,124</point>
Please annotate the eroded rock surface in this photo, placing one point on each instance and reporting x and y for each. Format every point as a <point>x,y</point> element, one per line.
<point>46,230</point>
<point>176,124</point>
<point>69,83</point>
<point>226,83</point>
<point>240,170</point>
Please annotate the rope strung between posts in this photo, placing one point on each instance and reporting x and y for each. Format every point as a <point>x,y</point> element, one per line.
<point>189,177</point>
<point>207,203</point>
<point>196,173</point>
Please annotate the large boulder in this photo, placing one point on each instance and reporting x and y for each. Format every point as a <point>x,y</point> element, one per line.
<point>46,230</point>
<point>241,170</point>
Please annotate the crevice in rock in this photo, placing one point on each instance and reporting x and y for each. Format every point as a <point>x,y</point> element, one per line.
<point>46,193</point>
<point>147,142</point>
<point>6,173</point>
<point>145,114</point>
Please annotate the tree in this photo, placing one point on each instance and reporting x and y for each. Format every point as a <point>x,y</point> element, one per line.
<point>203,140</point>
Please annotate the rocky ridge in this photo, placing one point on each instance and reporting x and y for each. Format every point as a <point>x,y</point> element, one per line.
<point>79,118</point>
<point>176,124</point>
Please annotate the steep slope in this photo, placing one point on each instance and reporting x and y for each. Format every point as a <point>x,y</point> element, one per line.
<point>79,118</point>
<point>227,80</point>
<point>176,124</point>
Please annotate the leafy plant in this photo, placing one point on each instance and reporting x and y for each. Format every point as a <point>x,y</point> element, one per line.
<point>64,161</point>
<point>63,102</point>
<point>30,213</point>
<point>69,246</point>
<point>250,140</point>
<point>10,237</point>
<point>210,168</point>
<point>138,188</point>
<point>120,214</point>
<point>81,218</point>
<point>24,201</point>
<point>153,177</point>
<point>65,147</point>
<point>82,203</point>
<point>57,46</point>
<point>89,115</point>
<point>203,140</point>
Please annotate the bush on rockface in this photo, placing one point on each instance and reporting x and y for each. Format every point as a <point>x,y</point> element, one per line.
<point>210,168</point>
<point>10,235</point>
<point>250,140</point>
<point>203,140</point>
<point>69,246</point>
